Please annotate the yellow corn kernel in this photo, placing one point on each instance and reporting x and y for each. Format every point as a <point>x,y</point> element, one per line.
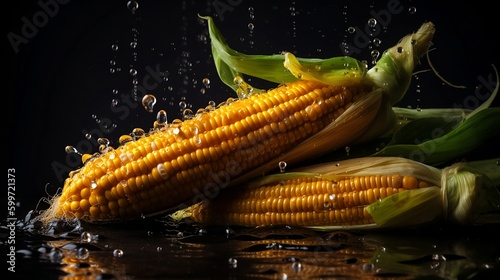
<point>186,162</point>
<point>307,201</point>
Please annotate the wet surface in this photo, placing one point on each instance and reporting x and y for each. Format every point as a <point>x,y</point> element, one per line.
<point>67,76</point>
<point>162,249</point>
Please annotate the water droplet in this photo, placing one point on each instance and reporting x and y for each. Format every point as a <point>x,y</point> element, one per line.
<point>372,22</point>
<point>85,237</point>
<point>176,126</point>
<point>132,6</point>
<point>377,42</point>
<point>103,145</point>
<point>296,267</point>
<point>159,249</point>
<point>237,80</point>
<point>351,29</point>
<point>149,101</point>
<point>368,267</point>
<point>114,47</point>
<point>282,166</point>
<point>161,117</point>
<point>375,54</point>
<point>251,26</point>
<point>82,253</point>
<point>187,114</point>
<point>206,82</point>
<point>71,150</point>
<point>133,44</point>
<point>124,139</point>
<point>400,49</point>
<point>347,150</point>
<point>118,253</point>
<point>132,72</point>
<point>438,257</point>
<point>229,232</point>
<point>56,255</point>
<point>182,105</point>
<point>138,133</point>
<point>233,262</point>
<point>412,10</point>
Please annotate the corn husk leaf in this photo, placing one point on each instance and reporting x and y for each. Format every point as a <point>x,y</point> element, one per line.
<point>408,208</point>
<point>467,136</point>
<point>231,64</point>
<point>451,135</point>
<point>393,70</point>
<point>471,189</point>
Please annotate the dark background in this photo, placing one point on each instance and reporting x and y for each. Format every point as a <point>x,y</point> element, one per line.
<point>59,83</point>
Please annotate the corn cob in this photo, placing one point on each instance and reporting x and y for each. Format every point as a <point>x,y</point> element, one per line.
<point>308,201</point>
<point>371,192</point>
<point>170,167</point>
<point>186,162</point>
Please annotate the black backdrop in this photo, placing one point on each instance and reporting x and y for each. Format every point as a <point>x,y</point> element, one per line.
<point>59,60</point>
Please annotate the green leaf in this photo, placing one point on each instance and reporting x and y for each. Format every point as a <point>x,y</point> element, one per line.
<point>423,129</point>
<point>231,64</point>
<point>408,208</point>
<point>471,133</point>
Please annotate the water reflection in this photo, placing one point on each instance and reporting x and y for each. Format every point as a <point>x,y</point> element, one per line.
<point>162,249</point>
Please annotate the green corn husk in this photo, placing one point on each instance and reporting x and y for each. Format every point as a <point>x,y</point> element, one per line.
<point>433,136</point>
<point>459,141</point>
<point>453,132</point>
<point>231,64</point>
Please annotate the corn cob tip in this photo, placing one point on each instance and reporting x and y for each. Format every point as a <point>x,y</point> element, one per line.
<point>50,214</point>
<point>394,70</point>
